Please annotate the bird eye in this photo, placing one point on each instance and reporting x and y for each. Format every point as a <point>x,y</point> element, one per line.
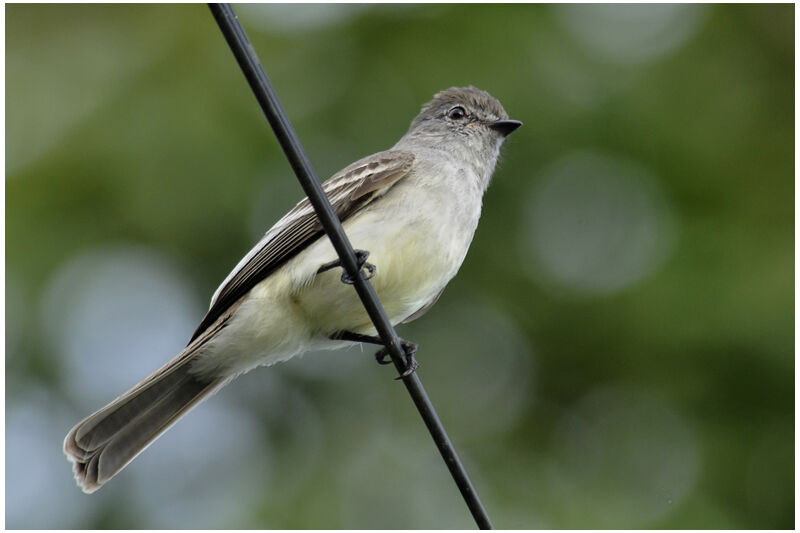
<point>457,113</point>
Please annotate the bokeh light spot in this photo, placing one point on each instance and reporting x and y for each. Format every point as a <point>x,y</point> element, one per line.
<point>629,33</point>
<point>479,362</point>
<point>290,18</point>
<point>40,490</point>
<point>211,467</point>
<point>628,455</point>
<point>113,315</point>
<point>596,223</point>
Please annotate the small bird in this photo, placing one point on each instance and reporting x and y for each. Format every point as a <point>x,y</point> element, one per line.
<point>412,210</point>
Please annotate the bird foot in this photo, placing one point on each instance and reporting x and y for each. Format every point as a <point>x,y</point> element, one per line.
<point>409,348</point>
<point>361,261</point>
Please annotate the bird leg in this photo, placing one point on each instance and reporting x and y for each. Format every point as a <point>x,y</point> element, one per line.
<point>382,356</point>
<point>361,261</point>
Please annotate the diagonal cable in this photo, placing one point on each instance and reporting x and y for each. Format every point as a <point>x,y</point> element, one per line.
<point>265,94</point>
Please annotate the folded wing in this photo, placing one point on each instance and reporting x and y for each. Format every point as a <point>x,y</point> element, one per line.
<point>348,191</point>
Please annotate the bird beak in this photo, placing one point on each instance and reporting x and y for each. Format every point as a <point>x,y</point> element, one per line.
<point>505,127</point>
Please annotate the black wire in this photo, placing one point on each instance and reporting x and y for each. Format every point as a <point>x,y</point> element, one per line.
<point>265,94</point>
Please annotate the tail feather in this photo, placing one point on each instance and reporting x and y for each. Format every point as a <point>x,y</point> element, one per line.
<point>106,441</point>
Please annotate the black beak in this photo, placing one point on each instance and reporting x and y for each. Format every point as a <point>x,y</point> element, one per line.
<point>505,127</point>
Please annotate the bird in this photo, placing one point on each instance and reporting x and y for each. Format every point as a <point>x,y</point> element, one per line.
<point>411,213</point>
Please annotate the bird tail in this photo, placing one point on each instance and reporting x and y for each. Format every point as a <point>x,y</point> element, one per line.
<point>105,442</point>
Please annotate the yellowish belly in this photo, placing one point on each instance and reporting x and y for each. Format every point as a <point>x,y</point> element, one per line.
<point>409,273</point>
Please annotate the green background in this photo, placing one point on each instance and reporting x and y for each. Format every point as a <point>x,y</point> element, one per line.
<point>616,351</point>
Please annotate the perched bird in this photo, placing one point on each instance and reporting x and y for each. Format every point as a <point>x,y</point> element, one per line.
<point>412,209</point>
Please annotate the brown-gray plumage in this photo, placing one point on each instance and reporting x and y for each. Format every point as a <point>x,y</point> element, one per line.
<point>104,442</point>
<point>444,101</point>
<point>278,302</point>
<point>109,439</point>
<point>348,190</point>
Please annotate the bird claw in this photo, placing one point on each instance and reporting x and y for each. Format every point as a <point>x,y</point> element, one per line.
<point>361,261</point>
<point>409,348</point>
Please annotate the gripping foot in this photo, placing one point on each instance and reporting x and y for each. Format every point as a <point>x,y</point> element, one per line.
<point>409,348</point>
<point>382,356</point>
<point>361,261</point>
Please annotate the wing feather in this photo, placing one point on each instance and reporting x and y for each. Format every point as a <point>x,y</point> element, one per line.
<point>348,191</point>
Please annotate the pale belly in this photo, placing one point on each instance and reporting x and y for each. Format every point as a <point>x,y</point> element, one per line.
<point>295,309</point>
<point>413,261</point>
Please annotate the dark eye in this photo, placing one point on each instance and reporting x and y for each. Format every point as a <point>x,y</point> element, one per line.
<point>457,113</point>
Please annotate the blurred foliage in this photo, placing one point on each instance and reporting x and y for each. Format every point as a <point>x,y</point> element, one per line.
<point>665,401</point>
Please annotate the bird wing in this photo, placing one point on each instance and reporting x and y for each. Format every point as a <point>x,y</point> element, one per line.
<point>348,191</point>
